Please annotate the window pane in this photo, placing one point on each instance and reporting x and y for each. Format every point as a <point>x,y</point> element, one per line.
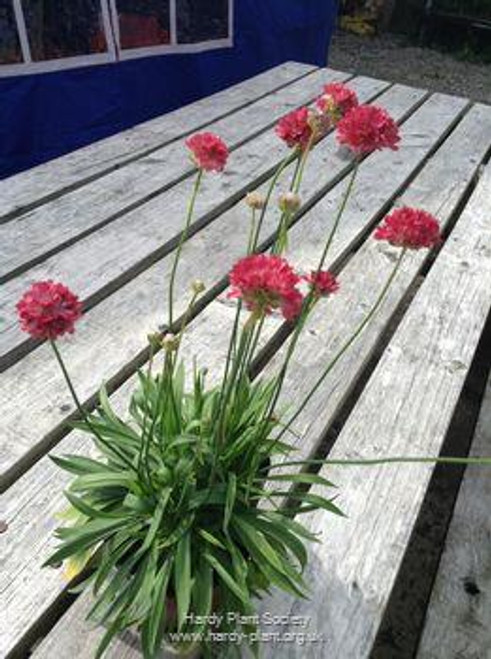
<point>10,52</point>
<point>201,20</point>
<point>143,23</point>
<point>57,28</point>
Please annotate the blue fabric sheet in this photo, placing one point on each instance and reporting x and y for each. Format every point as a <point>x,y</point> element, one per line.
<point>45,115</point>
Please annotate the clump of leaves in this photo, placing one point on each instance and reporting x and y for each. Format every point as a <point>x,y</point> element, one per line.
<point>175,518</point>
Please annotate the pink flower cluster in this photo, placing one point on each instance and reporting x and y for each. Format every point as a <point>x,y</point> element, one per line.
<point>48,310</point>
<point>295,128</point>
<point>363,128</point>
<point>337,100</point>
<point>322,283</point>
<point>367,128</point>
<point>266,282</point>
<point>410,228</point>
<point>209,151</point>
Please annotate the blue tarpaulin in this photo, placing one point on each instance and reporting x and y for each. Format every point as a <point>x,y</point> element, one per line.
<point>44,115</point>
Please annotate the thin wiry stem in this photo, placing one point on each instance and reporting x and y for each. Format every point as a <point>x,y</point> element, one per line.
<point>182,239</point>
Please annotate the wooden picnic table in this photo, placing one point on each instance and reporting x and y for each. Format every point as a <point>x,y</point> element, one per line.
<point>105,220</point>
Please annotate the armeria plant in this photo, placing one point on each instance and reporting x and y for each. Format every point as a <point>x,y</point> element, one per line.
<point>179,514</point>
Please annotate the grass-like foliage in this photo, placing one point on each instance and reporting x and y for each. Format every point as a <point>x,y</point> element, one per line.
<point>177,508</point>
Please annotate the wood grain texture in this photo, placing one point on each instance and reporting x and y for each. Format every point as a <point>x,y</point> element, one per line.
<point>34,235</point>
<point>40,183</point>
<point>34,500</point>
<point>457,619</point>
<point>405,409</point>
<point>132,311</point>
<point>74,637</point>
<point>95,266</point>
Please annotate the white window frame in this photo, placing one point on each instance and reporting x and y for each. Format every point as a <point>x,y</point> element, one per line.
<point>173,47</point>
<point>44,66</point>
<point>114,51</point>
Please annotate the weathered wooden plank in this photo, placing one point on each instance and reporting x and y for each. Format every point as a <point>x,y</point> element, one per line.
<point>457,619</point>
<point>405,409</point>
<point>37,234</point>
<point>210,268</point>
<point>73,636</point>
<point>34,500</point>
<point>208,257</point>
<point>41,183</point>
<point>103,261</point>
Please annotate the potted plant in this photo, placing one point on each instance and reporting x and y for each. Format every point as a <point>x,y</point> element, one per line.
<point>179,517</point>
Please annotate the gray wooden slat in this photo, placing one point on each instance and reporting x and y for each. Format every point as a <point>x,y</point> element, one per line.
<point>36,234</point>
<point>457,619</point>
<point>74,637</point>
<point>208,257</point>
<point>28,189</point>
<point>33,501</point>
<point>211,268</point>
<point>405,409</point>
<point>103,261</point>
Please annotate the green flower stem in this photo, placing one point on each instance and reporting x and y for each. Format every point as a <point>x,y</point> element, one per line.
<point>303,161</point>
<point>231,352</point>
<point>281,242</point>
<point>244,343</point>
<point>310,301</point>
<point>185,323</point>
<point>145,417</point>
<point>252,232</point>
<point>365,462</point>
<point>339,215</point>
<point>308,306</point>
<point>182,239</point>
<point>81,410</point>
<point>348,343</point>
<point>282,166</point>
<point>249,355</point>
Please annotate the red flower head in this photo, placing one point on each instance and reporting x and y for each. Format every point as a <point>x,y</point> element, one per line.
<point>295,128</point>
<point>337,100</point>
<point>366,128</point>
<point>266,282</point>
<point>48,310</point>
<point>410,228</point>
<point>323,283</point>
<point>209,151</point>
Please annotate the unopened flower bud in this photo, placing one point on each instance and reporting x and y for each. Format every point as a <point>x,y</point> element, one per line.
<point>154,340</point>
<point>198,286</point>
<point>289,202</point>
<point>255,200</point>
<point>170,343</point>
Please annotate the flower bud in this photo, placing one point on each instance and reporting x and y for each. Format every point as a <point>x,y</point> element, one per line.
<point>170,343</point>
<point>289,202</point>
<point>154,340</point>
<point>198,286</point>
<point>255,200</point>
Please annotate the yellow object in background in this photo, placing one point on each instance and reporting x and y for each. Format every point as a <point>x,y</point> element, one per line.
<point>361,24</point>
